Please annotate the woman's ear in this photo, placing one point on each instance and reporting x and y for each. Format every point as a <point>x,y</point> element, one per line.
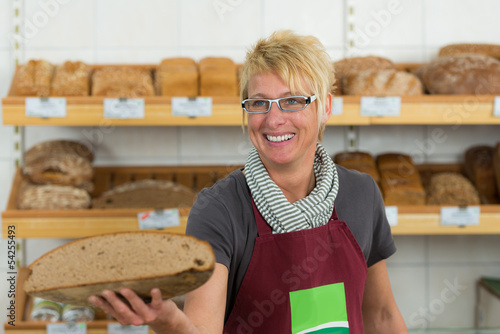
<point>328,108</point>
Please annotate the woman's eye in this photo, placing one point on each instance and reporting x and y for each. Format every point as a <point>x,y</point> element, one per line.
<point>258,103</point>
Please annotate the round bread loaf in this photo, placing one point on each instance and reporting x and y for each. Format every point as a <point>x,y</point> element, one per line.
<point>491,50</point>
<point>58,162</point>
<point>382,83</point>
<point>461,74</point>
<point>450,188</point>
<point>52,197</point>
<point>140,260</point>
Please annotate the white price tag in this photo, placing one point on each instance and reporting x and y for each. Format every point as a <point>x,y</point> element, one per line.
<point>337,106</point>
<point>78,328</point>
<point>496,107</point>
<point>380,106</point>
<point>192,107</point>
<point>391,213</point>
<point>45,107</point>
<point>122,329</point>
<point>460,216</point>
<point>124,108</point>
<point>158,219</point>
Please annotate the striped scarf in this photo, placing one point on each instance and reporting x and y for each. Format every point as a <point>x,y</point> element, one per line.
<point>312,211</point>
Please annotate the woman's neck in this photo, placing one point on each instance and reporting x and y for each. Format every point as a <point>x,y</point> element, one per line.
<point>294,183</point>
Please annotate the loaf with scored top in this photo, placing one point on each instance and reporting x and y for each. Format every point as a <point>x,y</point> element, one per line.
<point>139,260</point>
<point>34,78</point>
<point>388,82</point>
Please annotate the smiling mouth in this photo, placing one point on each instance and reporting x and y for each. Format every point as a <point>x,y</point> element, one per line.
<point>279,139</point>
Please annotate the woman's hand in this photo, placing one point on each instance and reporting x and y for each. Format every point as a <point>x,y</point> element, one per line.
<point>161,315</point>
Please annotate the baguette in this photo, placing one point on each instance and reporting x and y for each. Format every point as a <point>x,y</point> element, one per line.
<point>140,260</point>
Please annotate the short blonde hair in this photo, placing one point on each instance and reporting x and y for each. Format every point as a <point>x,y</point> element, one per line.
<point>300,61</point>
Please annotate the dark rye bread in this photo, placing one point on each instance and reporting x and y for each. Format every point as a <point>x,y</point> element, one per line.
<point>147,193</point>
<point>479,169</point>
<point>62,162</point>
<point>140,260</point>
<point>461,74</point>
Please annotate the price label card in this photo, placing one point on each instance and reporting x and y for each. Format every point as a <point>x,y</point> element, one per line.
<point>380,106</point>
<point>337,106</point>
<point>158,219</point>
<point>122,329</point>
<point>392,215</point>
<point>124,108</point>
<point>460,216</point>
<point>192,107</point>
<point>78,328</point>
<point>45,107</point>
<point>496,107</point>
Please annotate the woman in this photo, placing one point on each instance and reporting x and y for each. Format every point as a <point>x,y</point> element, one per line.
<point>300,243</point>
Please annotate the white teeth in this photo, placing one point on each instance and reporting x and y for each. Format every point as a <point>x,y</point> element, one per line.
<point>279,139</point>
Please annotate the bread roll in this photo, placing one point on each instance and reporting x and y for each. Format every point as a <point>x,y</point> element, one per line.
<point>382,83</point>
<point>122,81</point>
<point>400,180</point>
<point>139,260</point>
<point>52,197</point>
<point>479,169</point>
<point>71,79</point>
<point>461,74</point>
<point>177,77</point>
<point>360,161</point>
<point>34,78</point>
<point>491,50</point>
<point>449,188</point>
<point>58,162</point>
<point>156,194</point>
<point>218,77</point>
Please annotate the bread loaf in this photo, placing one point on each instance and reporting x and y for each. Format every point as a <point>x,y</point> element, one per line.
<point>122,81</point>
<point>360,161</point>
<point>479,169</point>
<point>177,77</point>
<point>34,78</point>
<point>141,260</point>
<point>52,197</point>
<point>157,194</point>
<point>218,77</point>
<point>71,79</point>
<point>496,166</point>
<point>400,180</point>
<point>382,83</point>
<point>353,65</point>
<point>450,188</point>
<point>58,162</point>
<point>491,50</point>
<point>461,74</point>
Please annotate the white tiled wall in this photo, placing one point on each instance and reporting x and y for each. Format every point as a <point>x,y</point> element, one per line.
<point>131,31</point>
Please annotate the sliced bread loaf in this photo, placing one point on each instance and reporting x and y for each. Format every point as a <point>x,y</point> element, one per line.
<point>140,260</point>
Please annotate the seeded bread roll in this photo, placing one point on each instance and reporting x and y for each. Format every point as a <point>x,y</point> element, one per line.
<point>360,161</point>
<point>34,78</point>
<point>451,188</point>
<point>141,260</point>
<point>479,169</point>
<point>382,83</point>
<point>146,194</point>
<point>218,77</point>
<point>461,74</point>
<point>491,50</point>
<point>71,79</point>
<point>177,77</point>
<point>122,81</point>
<point>52,197</point>
<point>61,162</point>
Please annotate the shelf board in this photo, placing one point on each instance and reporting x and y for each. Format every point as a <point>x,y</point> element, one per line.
<point>415,110</point>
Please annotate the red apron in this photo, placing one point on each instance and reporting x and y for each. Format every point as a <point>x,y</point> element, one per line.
<point>309,281</point>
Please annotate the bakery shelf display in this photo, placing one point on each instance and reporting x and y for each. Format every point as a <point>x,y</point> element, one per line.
<point>226,110</point>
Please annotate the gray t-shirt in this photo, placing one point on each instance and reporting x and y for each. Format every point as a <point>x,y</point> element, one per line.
<point>223,216</point>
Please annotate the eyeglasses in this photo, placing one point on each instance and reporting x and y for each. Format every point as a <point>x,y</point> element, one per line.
<point>289,103</point>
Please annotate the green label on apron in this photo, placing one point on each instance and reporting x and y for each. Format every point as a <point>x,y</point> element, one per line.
<point>319,310</point>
